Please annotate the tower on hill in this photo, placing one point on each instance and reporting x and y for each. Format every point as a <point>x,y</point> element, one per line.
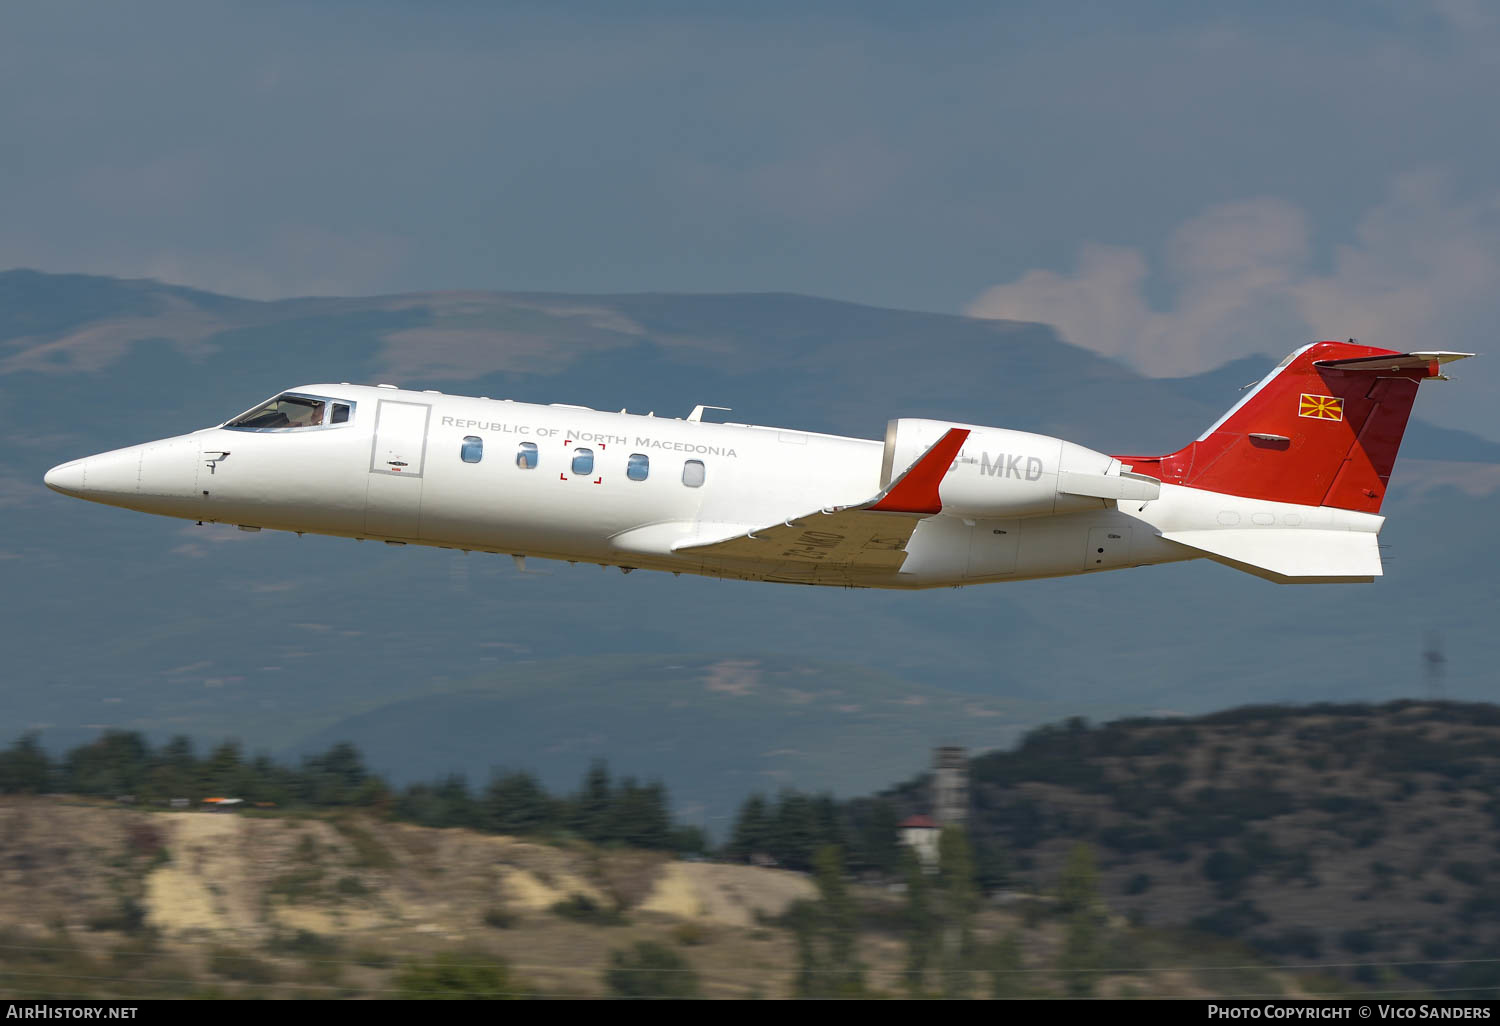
<point>950,786</point>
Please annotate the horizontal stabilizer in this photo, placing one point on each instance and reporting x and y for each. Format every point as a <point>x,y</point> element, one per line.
<point>1290,556</point>
<point>1135,487</point>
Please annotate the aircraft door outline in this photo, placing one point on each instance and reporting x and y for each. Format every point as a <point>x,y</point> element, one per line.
<point>399,443</point>
<point>393,508</point>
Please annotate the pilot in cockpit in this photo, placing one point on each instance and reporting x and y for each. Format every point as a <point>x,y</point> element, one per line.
<point>290,411</point>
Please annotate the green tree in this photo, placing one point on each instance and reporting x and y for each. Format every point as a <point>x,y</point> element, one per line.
<point>804,918</point>
<point>1078,898</point>
<point>958,903</point>
<point>173,770</point>
<point>457,804</point>
<point>654,828</point>
<point>840,923</point>
<point>751,834</point>
<point>879,837</point>
<point>923,932</point>
<point>794,832</point>
<point>1078,886</point>
<point>459,976</point>
<point>444,804</point>
<point>1080,953</point>
<point>827,934</point>
<point>688,840</point>
<point>828,824</point>
<point>114,764</point>
<point>991,865</point>
<point>272,783</point>
<point>592,805</point>
<point>516,804</point>
<point>336,777</point>
<point>638,815</point>
<point>223,772</point>
<point>24,767</point>
<point>650,970</point>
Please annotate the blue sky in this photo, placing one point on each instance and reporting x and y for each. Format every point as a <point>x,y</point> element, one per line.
<point>1173,184</point>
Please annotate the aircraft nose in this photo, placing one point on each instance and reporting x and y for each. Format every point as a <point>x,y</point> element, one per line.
<point>157,477</point>
<point>66,478</point>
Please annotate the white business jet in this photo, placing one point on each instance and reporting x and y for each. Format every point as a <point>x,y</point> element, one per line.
<point>1286,485</point>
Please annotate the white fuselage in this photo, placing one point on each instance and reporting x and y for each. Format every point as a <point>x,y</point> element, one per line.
<point>509,477</point>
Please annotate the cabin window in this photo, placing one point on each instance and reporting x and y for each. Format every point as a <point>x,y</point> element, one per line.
<point>472,451</point>
<point>526,456</point>
<point>583,461</point>
<point>638,467</point>
<point>692,473</point>
<point>340,414</point>
<point>285,411</point>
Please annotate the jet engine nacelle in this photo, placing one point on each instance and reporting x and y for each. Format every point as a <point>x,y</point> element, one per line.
<point>1003,473</point>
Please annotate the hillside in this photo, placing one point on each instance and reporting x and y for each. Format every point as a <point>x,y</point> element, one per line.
<point>117,619</point>
<point>115,902</point>
<point>1321,834</point>
<point>309,907</point>
<point>1258,851</point>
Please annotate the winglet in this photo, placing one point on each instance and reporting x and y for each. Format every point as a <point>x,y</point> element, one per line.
<point>916,490</point>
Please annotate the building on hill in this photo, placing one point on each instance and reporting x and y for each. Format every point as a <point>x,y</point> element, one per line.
<point>950,805</point>
<point>920,834</point>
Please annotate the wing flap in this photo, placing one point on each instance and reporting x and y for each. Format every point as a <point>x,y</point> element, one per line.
<point>841,540</point>
<point>867,537</point>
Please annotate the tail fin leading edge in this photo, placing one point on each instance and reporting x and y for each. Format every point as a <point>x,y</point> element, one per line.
<point>1322,429</point>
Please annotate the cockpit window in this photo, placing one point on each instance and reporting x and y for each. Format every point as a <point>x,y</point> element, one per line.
<point>293,411</point>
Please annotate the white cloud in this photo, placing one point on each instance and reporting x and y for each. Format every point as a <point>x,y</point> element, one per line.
<point>1423,270</point>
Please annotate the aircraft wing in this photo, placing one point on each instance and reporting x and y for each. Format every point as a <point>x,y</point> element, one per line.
<point>842,542</point>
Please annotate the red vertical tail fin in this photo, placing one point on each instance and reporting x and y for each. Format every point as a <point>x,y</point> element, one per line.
<point>1322,429</point>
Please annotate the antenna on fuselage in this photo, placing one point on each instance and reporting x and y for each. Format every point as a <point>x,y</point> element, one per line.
<point>697,413</point>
